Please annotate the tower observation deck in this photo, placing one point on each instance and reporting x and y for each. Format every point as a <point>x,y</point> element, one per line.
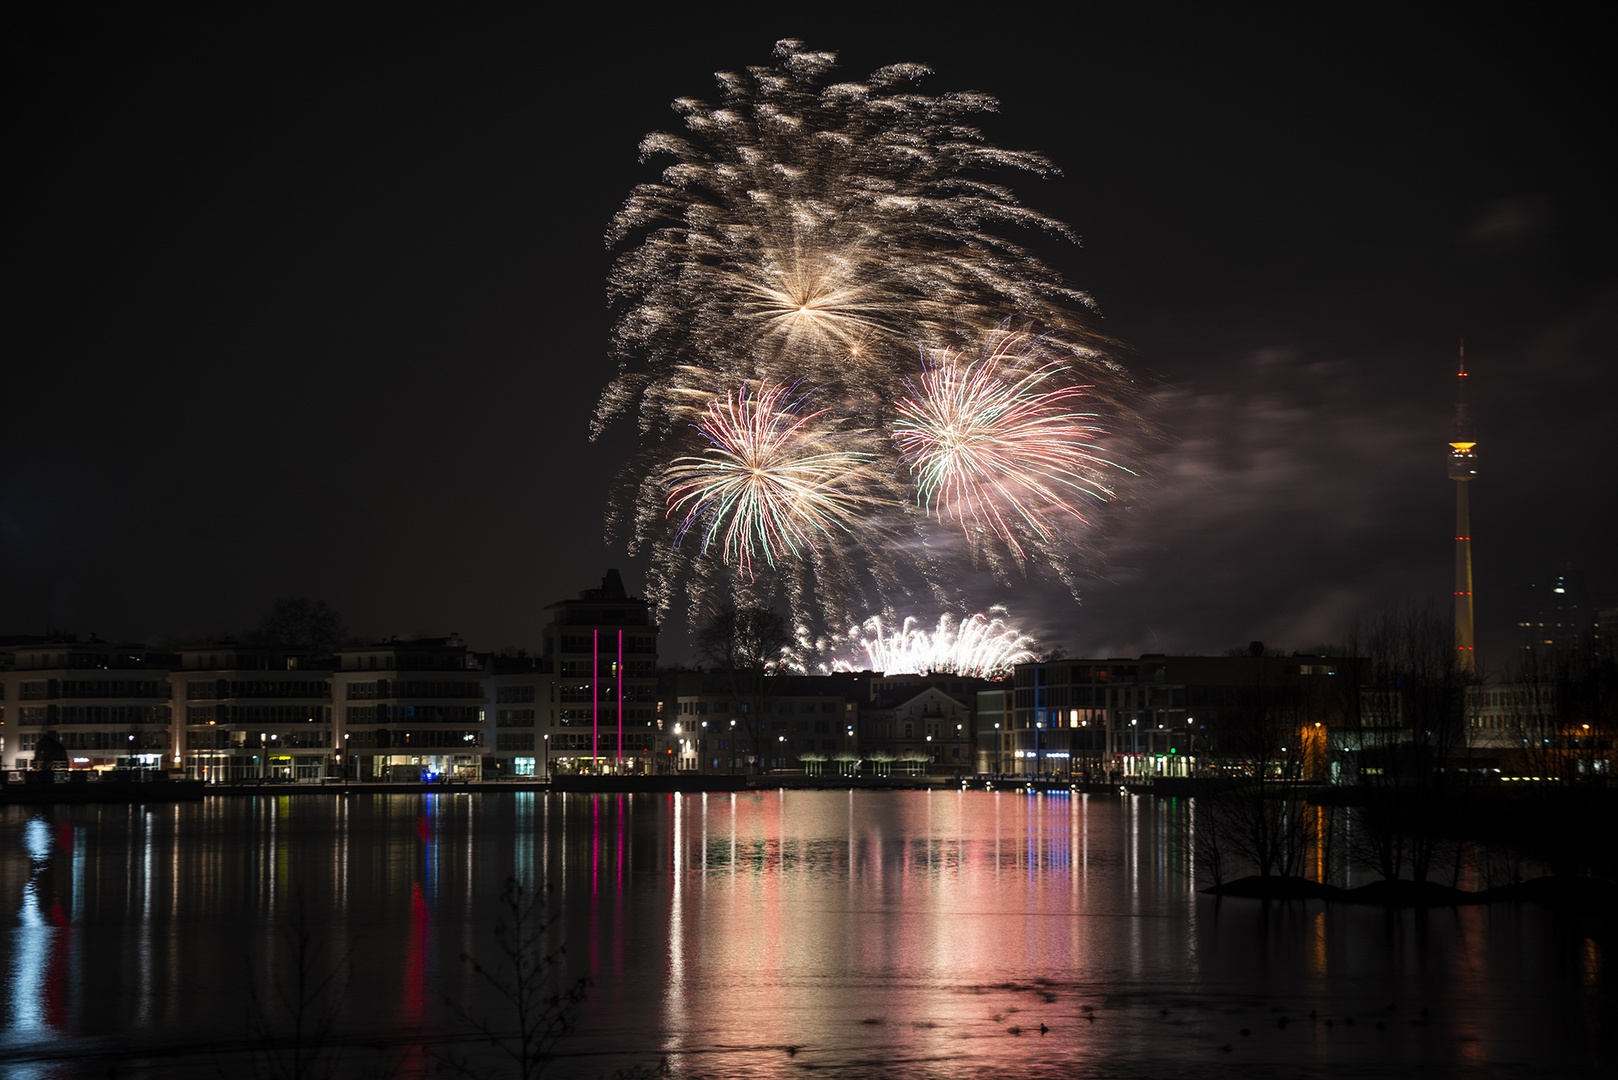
<point>1463,468</point>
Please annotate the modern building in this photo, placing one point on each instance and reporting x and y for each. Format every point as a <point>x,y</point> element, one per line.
<point>808,722</point>
<point>90,705</point>
<point>1159,715</point>
<point>521,692</point>
<point>410,709</point>
<point>248,713</point>
<point>602,648</point>
<point>995,739</point>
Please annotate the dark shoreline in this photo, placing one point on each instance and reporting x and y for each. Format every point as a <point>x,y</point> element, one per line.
<point>1581,893</point>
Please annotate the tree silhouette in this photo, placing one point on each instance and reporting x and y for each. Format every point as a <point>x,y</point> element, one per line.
<point>300,623</point>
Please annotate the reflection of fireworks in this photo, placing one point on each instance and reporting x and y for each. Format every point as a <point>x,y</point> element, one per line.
<point>826,236</point>
<point>999,443</point>
<point>984,648</point>
<point>771,484</point>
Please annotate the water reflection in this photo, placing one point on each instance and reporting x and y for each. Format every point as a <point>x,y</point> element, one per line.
<point>874,933</point>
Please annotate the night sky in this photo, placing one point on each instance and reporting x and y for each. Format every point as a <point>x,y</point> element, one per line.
<point>309,302</point>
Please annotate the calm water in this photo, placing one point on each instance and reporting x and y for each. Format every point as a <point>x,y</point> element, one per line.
<point>874,933</point>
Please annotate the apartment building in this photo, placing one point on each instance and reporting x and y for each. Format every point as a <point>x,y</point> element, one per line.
<point>1162,715</point>
<point>406,710</point>
<point>524,715</point>
<point>808,722</point>
<point>89,704</point>
<point>602,648</point>
<point>250,713</point>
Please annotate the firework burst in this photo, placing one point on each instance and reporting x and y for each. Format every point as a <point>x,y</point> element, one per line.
<point>1003,444</point>
<point>827,236</point>
<point>985,647</point>
<point>776,483</point>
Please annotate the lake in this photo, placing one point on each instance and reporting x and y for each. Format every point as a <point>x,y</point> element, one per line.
<point>844,933</point>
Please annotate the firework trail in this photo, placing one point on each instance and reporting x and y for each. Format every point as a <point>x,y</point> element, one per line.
<point>847,240</point>
<point>979,646</point>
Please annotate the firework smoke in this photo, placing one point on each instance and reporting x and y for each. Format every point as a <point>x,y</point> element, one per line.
<point>846,240</point>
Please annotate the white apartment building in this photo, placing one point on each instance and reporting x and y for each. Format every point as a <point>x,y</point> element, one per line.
<point>107,705</point>
<point>245,713</point>
<point>407,710</point>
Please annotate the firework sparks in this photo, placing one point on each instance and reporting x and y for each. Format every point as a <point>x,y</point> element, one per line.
<point>774,482</point>
<point>826,236</point>
<point>984,647</point>
<point>1002,443</point>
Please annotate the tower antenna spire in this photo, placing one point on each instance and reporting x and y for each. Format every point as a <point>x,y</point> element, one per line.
<point>1463,469</point>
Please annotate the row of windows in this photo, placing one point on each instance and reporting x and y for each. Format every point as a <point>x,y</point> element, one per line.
<point>399,714</point>
<point>689,707</point>
<point>111,740</point>
<point>214,689</point>
<point>607,668</point>
<point>700,745</point>
<point>296,739</point>
<point>385,739</point>
<point>257,714</point>
<point>45,715</point>
<point>383,688</point>
<point>607,642</point>
<point>47,689</point>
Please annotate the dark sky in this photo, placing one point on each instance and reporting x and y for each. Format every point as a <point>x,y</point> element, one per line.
<point>310,302</point>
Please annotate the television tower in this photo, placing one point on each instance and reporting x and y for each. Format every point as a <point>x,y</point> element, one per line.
<point>1463,466</point>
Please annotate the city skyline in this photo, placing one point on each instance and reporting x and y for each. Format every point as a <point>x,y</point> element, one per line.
<point>316,308</point>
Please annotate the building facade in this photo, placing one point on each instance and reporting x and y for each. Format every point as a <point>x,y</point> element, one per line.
<point>246,713</point>
<point>410,710</point>
<point>602,648</point>
<point>86,704</point>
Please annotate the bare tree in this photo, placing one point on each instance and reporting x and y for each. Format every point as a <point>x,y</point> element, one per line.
<point>1406,742</point>
<point>1251,811</point>
<point>1255,811</point>
<point>292,1028</point>
<point>1560,718</point>
<point>539,1005</point>
<point>300,623</point>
